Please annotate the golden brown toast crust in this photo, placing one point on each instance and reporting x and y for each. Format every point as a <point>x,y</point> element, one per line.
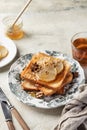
<point>31,70</point>
<point>66,81</point>
<point>49,92</point>
<point>31,82</point>
<point>54,84</point>
<point>27,85</point>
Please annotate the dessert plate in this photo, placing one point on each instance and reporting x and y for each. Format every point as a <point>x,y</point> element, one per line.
<point>12,50</point>
<point>50,101</point>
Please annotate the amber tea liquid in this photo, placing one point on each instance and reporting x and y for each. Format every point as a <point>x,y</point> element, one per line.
<point>79,50</point>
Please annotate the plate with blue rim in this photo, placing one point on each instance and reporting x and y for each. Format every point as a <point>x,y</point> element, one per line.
<point>47,102</point>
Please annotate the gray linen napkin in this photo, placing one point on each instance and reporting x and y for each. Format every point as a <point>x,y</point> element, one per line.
<point>74,114</point>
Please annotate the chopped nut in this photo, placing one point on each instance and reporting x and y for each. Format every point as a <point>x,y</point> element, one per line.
<point>35,67</point>
<point>39,94</point>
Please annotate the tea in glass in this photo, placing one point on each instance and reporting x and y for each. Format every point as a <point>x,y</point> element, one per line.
<point>79,48</point>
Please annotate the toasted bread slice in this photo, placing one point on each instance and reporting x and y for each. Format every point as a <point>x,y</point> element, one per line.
<point>67,80</point>
<point>27,85</point>
<point>56,84</point>
<point>42,67</point>
<point>49,92</point>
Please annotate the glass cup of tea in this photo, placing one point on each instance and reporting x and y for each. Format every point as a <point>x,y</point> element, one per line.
<point>14,32</point>
<point>79,49</point>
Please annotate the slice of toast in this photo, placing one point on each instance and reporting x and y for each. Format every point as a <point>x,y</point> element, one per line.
<point>42,67</point>
<point>27,85</point>
<point>55,85</point>
<point>49,92</point>
<point>67,80</point>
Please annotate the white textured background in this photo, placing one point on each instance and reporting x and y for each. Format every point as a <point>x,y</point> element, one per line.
<point>41,5</point>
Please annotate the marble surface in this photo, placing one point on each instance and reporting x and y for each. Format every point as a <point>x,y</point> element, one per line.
<point>47,25</point>
<point>40,5</point>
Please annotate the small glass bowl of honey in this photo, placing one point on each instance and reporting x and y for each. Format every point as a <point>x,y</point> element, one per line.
<point>13,32</point>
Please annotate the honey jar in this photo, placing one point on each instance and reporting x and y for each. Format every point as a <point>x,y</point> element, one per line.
<point>13,32</point>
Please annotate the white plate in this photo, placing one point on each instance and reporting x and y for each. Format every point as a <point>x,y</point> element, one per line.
<point>47,102</point>
<point>11,47</point>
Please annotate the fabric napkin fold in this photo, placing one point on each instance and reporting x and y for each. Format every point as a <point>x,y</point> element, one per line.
<point>74,114</point>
